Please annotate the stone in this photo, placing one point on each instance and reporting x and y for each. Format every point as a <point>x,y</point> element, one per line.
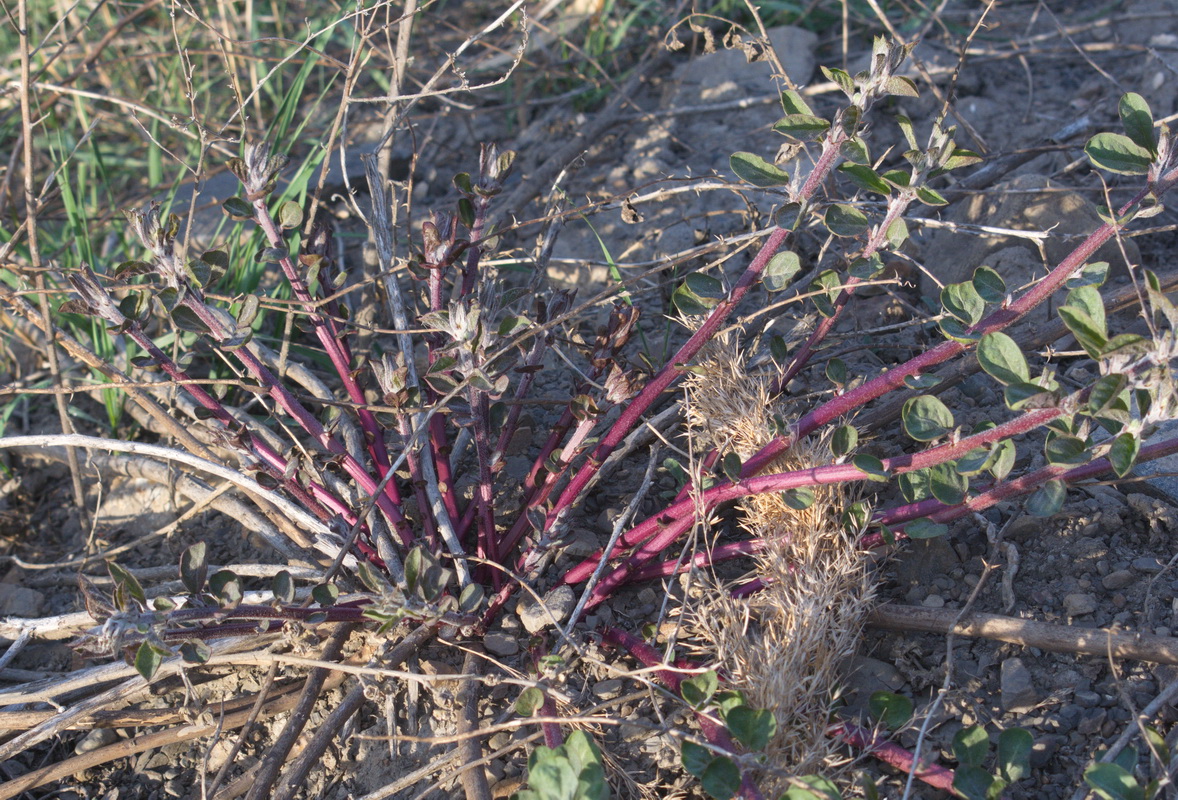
<point>933,601</point>
<point>99,737</point>
<point>1077,604</point>
<point>1148,564</point>
<point>1117,580</point>
<point>607,689</point>
<point>20,601</point>
<point>582,543</point>
<point>501,644</point>
<point>556,605</point>
<point>1017,689</point>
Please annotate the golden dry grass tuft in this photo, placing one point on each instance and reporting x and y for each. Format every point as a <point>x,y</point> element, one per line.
<point>784,646</point>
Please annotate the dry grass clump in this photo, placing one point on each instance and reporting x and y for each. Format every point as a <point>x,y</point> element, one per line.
<point>783,646</point>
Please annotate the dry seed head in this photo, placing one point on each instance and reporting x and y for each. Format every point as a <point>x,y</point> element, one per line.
<point>783,646</point>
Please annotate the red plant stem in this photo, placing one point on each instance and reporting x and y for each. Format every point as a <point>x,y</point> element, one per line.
<point>1028,483</point>
<point>553,737</point>
<point>896,208</point>
<point>715,733</point>
<point>318,501</point>
<point>723,552</point>
<point>667,375</point>
<point>894,378</point>
<point>542,492</point>
<point>440,452</point>
<point>388,501</point>
<point>894,755</point>
<point>328,334</point>
<point>670,373</point>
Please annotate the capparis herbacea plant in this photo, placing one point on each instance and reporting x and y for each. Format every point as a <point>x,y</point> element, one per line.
<point>369,469</point>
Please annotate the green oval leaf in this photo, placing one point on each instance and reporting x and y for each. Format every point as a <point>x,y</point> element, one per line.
<point>752,727</point>
<point>970,746</point>
<point>780,270</point>
<point>1014,754</point>
<point>1117,153</point>
<point>751,168</point>
<point>890,709</point>
<point>1138,121</point>
<point>948,484</point>
<point>803,127</point>
<point>1065,450</point>
<point>1113,782</point>
<point>926,418</point>
<point>1123,454</point>
<point>698,690</point>
<point>989,285</point>
<point>1002,359</point>
<point>721,778</point>
<point>798,499</point>
<point>925,529</point>
<point>1048,500</point>
<point>147,661</point>
<point>864,177</point>
<point>844,440</point>
<point>844,220</point>
<point>870,465</point>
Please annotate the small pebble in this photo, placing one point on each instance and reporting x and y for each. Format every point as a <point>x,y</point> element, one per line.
<point>501,644</point>
<point>1086,698</point>
<point>1077,604</point>
<point>933,601</point>
<point>1148,564</point>
<point>1117,580</point>
<point>1018,692</point>
<point>99,737</point>
<point>607,689</point>
<point>536,615</point>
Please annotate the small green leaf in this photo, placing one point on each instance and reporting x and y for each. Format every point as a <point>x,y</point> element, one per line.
<point>897,233</point>
<point>147,661</point>
<point>1086,330</point>
<point>1125,345</point>
<point>1104,391</point>
<point>1014,754</point>
<point>803,127</point>
<point>325,594</point>
<point>926,418</point>
<point>128,583</point>
<point>948,484</point>
<point>826,288</point>
<point>892,710</point>
<point>930,197</point>
<point>836,371</point>
<point>530,701</point>
<point>1093,274</point>
<point>844,440</point>
<point>914,485</point>
<point>283,587</point>
<point>788,216</point>
<point>793,103</point>
<point>989,285</point>
<point>921,382</point>
<point>753,169</point>
<point>1113,782</point>
<point>1123,454</point>
<point>1004,458</point>
<point>963,302</point>
<point>698,690</point>
<point>1065,450</point>
<point>1002,359</point>
<point>751,727</point>
<point>842,78</point>
<point>1138,121</point>
<point>854,149</point>
<point>780,270</point>
<point>844,220</point>
<point>696,758</point>
<point>901,86</point>
<point>721,778</point>
<point>1117,153</point>
<point>798,499</point>
<point>194,565</point>
<point>290,214</point>
<point>970,746</point>
<point>196,651</point>
<point>238,209</point>
<point>866,268</point>
<point>1048,500</point>
<point>972,782</point>
<point>870,465</point>
<point>471,598</point>
<point>730,465</point>
<point>864,177</point>
<point>1028,395</point>
<point>925,528</point>
<point>226,587</point>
